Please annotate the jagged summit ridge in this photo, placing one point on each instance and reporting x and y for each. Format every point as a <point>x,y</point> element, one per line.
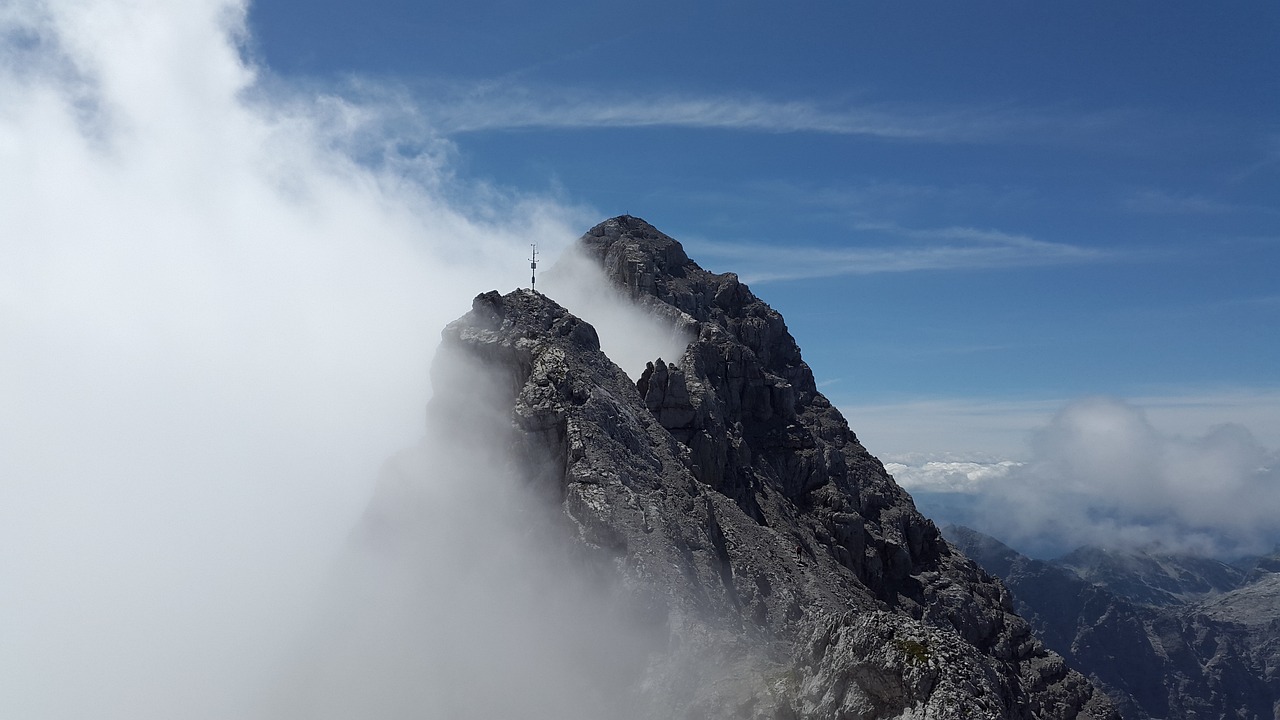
<point>784,572</point>
<point>654,269</point>
<point>757,423</point>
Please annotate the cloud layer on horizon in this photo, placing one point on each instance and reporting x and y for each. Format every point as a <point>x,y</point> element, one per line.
<point>939,249</point>
<point>1100,473</point>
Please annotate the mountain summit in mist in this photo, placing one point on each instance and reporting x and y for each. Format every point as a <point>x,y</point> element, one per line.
<point>712,535</point>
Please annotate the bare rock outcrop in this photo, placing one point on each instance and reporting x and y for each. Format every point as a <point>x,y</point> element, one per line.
<point>782,571</point>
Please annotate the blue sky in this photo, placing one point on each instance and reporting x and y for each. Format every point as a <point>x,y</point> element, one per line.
<point>977,218</point>
<point>999,199</point>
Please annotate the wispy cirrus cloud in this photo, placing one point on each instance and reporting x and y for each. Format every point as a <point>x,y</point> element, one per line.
<point>978,236</point>
<point>945,248</point>
<point>724,112</point>
<point>1160,202</point>
<point>1152,201</point>
<point>505,106</point>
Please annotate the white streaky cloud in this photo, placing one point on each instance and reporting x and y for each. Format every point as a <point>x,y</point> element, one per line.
<point>499,106</point>
<point>968,234</point>
<point>938,249</point>
<point>727,113</point>
<point>219,299</point>
<point>1161,202</point>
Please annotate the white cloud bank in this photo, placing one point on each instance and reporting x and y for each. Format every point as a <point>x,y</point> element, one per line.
<point>1101,473</point>
<point>219,297</point>
<point>950,476</point>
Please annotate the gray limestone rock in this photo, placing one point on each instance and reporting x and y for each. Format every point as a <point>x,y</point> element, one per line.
<point>1151,578</point>
<point>780,570</point>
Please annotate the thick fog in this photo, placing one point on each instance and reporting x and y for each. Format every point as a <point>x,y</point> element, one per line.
<point>219,298</point>
<point>463,593</point>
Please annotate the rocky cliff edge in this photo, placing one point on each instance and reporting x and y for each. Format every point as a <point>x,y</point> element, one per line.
<point>782,570</point>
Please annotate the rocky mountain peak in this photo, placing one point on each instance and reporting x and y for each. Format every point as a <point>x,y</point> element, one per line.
<point>654,269</point>
<point>788,573</point>
<point>636,253</point>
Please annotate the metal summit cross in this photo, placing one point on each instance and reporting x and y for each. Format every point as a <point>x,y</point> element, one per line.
<point>533,267</point>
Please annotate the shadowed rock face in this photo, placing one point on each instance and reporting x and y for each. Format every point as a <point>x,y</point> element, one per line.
<point>1150,579</point>
<point>782,570</point>
<point>1165,636</point>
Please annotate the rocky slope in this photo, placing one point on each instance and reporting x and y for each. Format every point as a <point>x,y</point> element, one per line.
<point>1150,578</point>
<point>1165,636</point>
<point>778,569</point>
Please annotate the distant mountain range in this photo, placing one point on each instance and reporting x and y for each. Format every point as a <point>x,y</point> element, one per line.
<point>1166,636</point>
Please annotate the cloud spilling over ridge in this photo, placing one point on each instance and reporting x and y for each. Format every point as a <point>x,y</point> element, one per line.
<point>629,339</point>
<point>1100,473</point>
<point>219,297</point>
<point>463,595</point>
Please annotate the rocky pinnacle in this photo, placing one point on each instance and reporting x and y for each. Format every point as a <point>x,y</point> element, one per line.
<point>782,570</point>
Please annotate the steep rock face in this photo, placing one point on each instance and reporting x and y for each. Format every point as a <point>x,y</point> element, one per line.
<point>786,572</point>
<point>1239,632</point>
<point>745,405</point>
<point>1215,656</point>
